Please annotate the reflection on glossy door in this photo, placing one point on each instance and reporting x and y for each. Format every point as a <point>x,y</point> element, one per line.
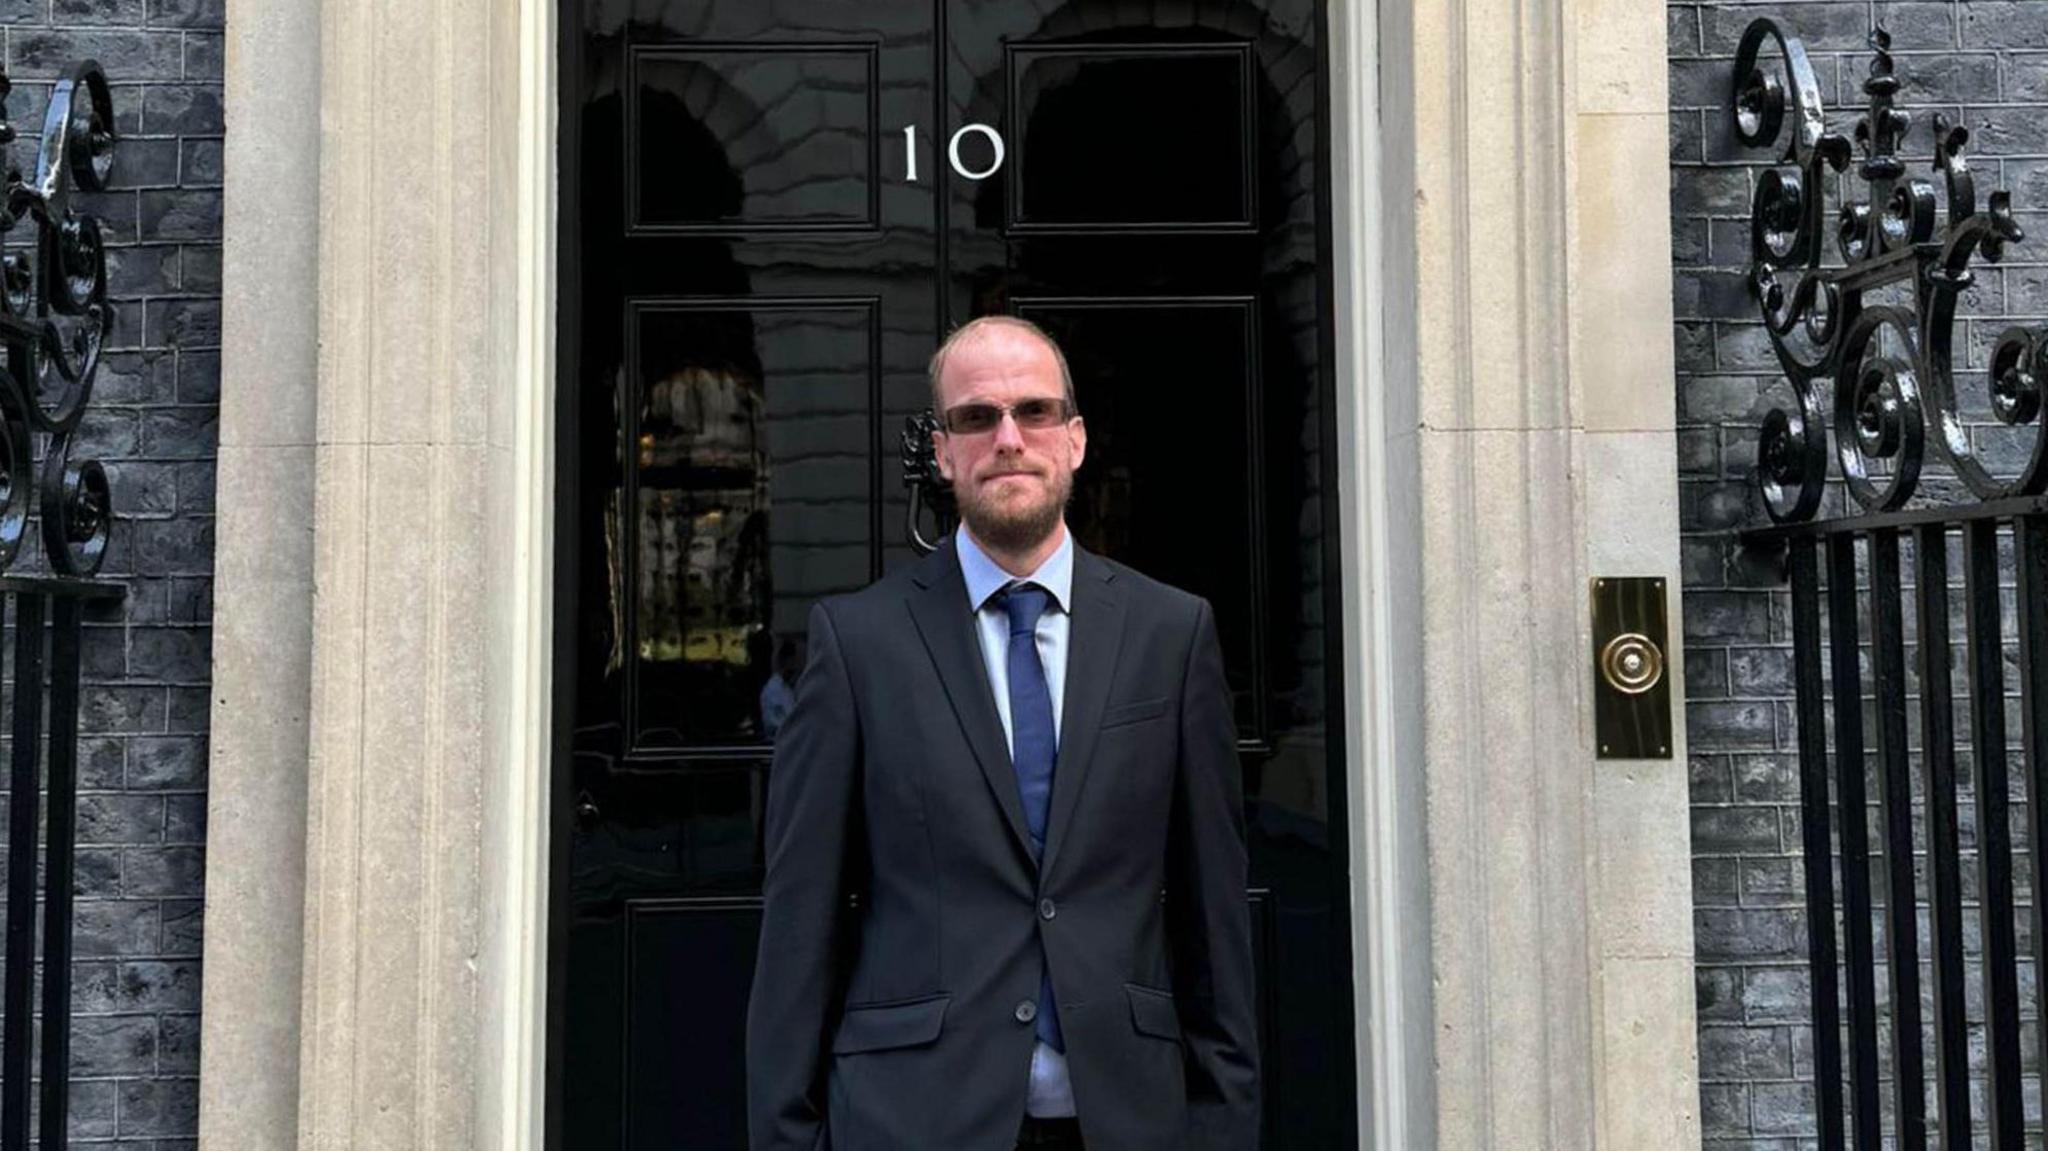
<point>751,287</point>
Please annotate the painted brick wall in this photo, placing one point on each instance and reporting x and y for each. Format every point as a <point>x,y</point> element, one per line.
<point>142,807</point>
<point>1986,63</point>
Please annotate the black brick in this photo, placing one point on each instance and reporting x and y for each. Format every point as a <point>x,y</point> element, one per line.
<point>124,12</point>
<point>1767,933</point>
<point>1716,882</point>
<point>1783,1109</point>
<point>190,601</point>
<point>132,378</point>
<point>2004,25</point>
<point>1760,671</point>
<point>1732,830</point>
<point>120,819</point>
<point>108,929</point>
<point>180,433</point>
<point>167,762</point>
<point>103,1045</point>
<point>1717,992</point>
<point>184,322</point>
<point>172,871</point>
<point>183,214</point>
<point>1724,1112</point>
<point>159,1107</point>
<point>127,56</point>
<point>174,547</point>
<point>184,927</point>
<point>1823,24</point>
<point>147,489</point>
<point>199,162</point>
<point>149,270</point>
<point>201,271</point>
<point>92,1103</point>
<point>198,376</point>
<point>188,13</point>
<point>1777,994</point>
<point>195,487</point>
<point>1738,1053</point>
<point>1723,616</point>
<point>97,872</point>
<point>183,110</point>
<point>189,709</point>
<point>185,819</point>
<point>178,1049</point>
<point>110,708</point>
<point>1746,724</point>
<point>147,163</point>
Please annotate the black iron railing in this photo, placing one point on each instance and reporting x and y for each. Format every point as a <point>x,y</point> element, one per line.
<point>1871,338</point>
<point>54,319</point>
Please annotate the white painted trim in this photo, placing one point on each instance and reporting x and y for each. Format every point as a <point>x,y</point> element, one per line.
<point>1376,380</point>
<point>521,1013</point>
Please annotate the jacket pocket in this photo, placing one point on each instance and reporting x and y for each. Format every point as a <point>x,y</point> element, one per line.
<point>1136,712</point>
<point>880,1026</point>
<point>1152,1012</point>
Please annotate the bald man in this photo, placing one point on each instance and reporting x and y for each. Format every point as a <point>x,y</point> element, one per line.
<point>1005,896</point>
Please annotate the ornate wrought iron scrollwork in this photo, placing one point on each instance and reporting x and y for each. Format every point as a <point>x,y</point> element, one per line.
<point>1891,368</point>
<point>54,320</point>
<point>929,491</point>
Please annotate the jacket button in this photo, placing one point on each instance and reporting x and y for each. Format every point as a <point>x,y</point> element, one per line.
<point>1046,910</point>
<point>1026,1011</point>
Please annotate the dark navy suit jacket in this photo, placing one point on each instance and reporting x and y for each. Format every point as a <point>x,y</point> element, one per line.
<point>901,939</point>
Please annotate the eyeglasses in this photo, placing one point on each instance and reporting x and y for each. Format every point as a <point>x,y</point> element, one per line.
<point>979,419</point>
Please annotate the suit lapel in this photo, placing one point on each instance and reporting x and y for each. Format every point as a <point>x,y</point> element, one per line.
<point>940,609</point>
<point>1095,636</point>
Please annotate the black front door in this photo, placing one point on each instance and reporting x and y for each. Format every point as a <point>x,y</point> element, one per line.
<point>771,213</point>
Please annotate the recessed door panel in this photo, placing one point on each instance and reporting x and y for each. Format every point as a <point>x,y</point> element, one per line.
<point>752,433</point>
<point>1132,136</point>
<point>682,1086</point>
<point>749,137</point>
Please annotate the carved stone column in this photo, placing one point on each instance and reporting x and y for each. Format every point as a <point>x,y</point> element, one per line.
<point>382,617</point>
<point>1559,884</point>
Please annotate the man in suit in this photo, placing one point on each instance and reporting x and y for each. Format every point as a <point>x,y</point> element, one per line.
<point>1005,892</point>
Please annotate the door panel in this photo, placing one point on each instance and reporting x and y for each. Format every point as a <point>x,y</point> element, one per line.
<point>789,128</point>
<point>753,487</point>
<point>1132,136</point>
<point>752,283</point>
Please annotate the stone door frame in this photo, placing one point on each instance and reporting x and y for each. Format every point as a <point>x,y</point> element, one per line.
<point>377,868</point>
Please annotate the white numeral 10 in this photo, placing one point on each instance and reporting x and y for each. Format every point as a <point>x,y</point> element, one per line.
<point>995,141</point>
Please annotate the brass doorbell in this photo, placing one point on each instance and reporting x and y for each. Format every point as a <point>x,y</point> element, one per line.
<point>1631,684</point>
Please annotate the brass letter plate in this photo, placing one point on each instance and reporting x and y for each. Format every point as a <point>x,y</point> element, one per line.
<point>1631,669</point>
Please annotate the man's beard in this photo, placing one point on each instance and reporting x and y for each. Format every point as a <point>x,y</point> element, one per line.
<point>1009,527</point>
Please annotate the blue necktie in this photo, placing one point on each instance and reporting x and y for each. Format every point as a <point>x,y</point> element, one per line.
<point>1032,750</point>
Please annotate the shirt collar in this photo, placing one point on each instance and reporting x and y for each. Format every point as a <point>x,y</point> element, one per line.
<point>984,578</point>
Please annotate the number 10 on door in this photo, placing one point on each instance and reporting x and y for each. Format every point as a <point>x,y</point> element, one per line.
<point>995,143</point>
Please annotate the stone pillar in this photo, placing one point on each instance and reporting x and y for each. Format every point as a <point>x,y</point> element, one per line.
<point>1646,1042</point>
<point>263,580</point>
<point>1559,885</point>
<point>375,887</point>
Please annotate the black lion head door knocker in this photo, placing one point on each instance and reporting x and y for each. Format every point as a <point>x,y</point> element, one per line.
<point>931,497</point>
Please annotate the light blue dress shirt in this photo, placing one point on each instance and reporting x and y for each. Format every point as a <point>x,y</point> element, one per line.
<point>1051,1094</point>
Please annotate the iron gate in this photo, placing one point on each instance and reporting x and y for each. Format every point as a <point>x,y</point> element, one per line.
<point>1867,344</point>
<point>54,319</point>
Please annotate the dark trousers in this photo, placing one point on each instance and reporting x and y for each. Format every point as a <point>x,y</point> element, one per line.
<point>1049,1135</point>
